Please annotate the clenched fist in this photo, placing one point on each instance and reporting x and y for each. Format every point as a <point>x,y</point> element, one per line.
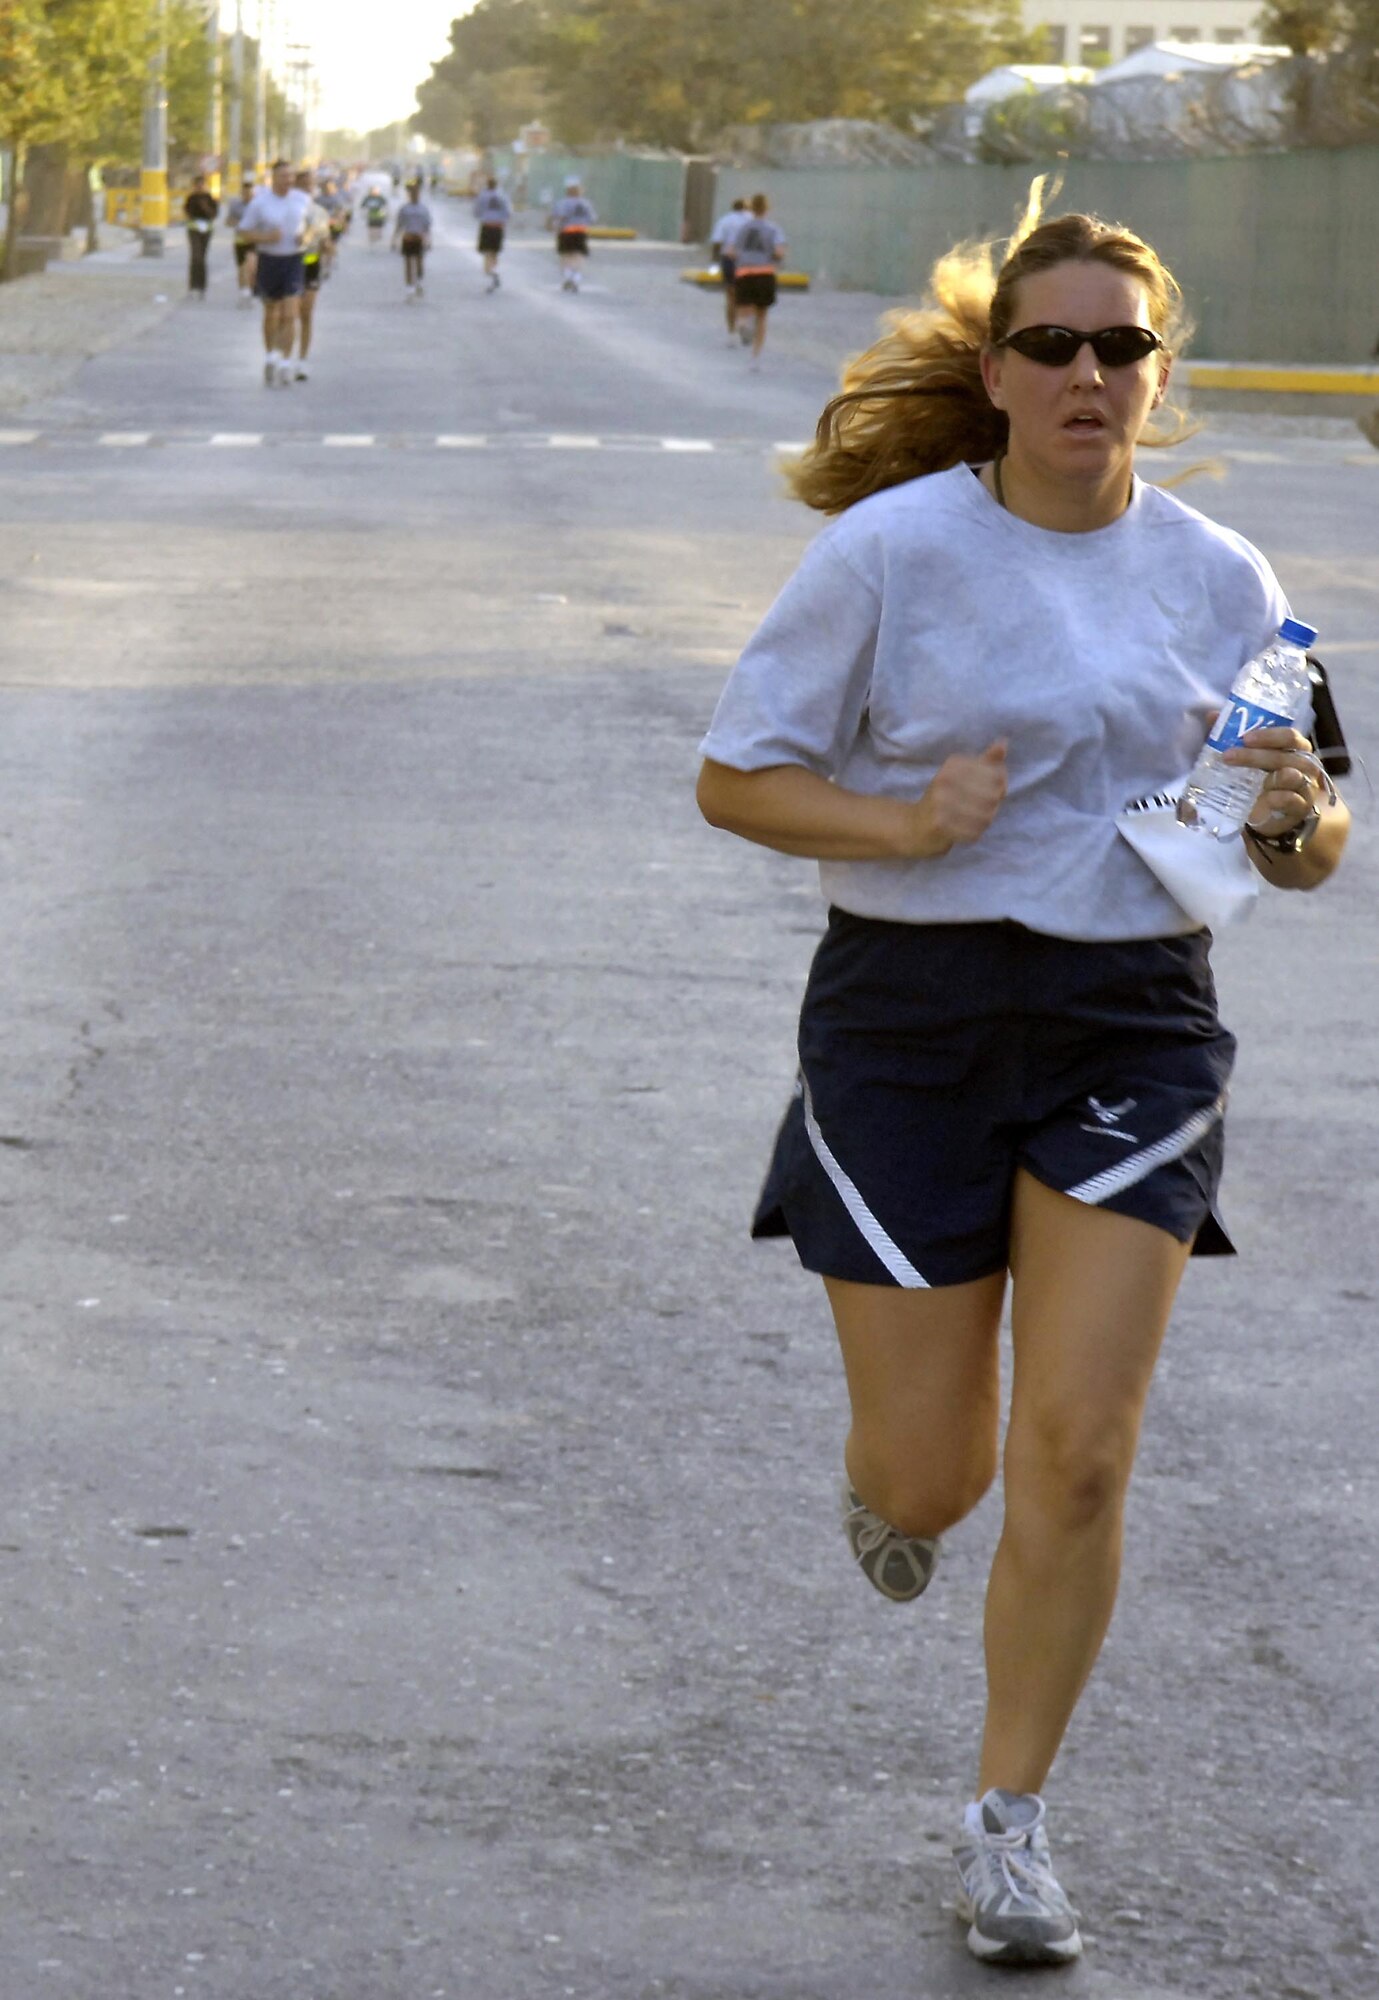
<point>961,801</point>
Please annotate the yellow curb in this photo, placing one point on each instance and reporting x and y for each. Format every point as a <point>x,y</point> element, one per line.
<point>792,281</point>
<point>1298,378</point>
<point>619,235</point>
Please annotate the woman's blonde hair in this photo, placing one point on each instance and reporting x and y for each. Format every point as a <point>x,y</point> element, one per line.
<point>915,401</point>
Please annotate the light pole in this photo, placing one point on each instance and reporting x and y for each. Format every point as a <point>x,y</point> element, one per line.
<point>261,103</point>
<point>213,110</point>
<point>234,166</point>
<point>153,179</point>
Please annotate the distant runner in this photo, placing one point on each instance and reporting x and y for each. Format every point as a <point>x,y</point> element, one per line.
<point>200,209</point>
<point>276,222</point>
<point>375,206</point>
<point>493,212</point>
<point>571,218</point>
<point>759,249</point>
<point>315,267</point>
<point>725,234</point>
<point>412,230</point>
<point>246,256</point>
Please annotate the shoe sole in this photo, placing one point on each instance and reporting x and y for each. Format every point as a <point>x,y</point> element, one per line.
<point>1011,1951</point>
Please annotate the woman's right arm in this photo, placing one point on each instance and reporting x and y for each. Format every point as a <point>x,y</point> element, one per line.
<point>796,811</point>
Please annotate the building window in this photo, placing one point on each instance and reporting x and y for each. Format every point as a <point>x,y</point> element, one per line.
<point>1055,45</point>
<point>1137,38</point>
<point>1185,34</point>
<point>1230,35</point>
<point>1093,42</point>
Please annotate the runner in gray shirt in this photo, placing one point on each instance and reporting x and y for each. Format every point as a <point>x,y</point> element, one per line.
<point>412,229</point>
<point>492,211</point>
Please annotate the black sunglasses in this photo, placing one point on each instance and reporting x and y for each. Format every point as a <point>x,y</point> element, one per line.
<point>1056,346</point>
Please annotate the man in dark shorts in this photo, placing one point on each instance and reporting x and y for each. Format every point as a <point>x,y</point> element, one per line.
<point>492,211</point>
<point>759,249</point>
<point>245,254</point>
<point>572,218</point>
<point>315,266</point>
<point>723,248</point>
<point>412,231</point>
<point>276,222</point>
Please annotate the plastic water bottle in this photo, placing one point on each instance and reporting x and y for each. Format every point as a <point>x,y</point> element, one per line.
<point>1272,690</point>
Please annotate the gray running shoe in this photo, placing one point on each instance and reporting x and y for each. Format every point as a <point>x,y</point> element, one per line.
<point>899,1566</point>
<point>1009,1895</point>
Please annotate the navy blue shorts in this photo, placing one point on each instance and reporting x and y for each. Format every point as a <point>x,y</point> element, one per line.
<point>935,1059</point>
<point>281,277</point>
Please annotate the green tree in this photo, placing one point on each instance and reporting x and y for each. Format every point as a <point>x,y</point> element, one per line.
<point>64,66</point>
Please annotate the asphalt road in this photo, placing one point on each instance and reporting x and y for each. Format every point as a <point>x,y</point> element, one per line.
<point>421,1578</point>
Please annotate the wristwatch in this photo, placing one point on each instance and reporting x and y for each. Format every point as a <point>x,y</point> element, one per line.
<point>1291,842</point>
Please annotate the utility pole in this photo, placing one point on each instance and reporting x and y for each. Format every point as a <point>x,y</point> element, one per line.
<point>234,166</point>
<point>153,180</point>
<point>299,64</point>
<point>261,102</point>
<point>213,113</point>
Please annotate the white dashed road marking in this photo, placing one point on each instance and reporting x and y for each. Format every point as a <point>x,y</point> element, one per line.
<point>563,442</point>
<point>18,437</point>
<point>455,442</point>
<point>237,437</point>
<point>686,444</point>
<point>347,438</point>
<point>122,438</point>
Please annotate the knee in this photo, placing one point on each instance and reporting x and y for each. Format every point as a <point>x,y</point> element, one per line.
<point>1074,1474</point>
<point>917,1492</point>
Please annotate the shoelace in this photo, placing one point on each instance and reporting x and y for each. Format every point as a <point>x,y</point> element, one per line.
<point>874,1533</point>
<point>1027,1874</point>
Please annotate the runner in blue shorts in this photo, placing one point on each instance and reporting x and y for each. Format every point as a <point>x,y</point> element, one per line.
<point>1011,1066</point>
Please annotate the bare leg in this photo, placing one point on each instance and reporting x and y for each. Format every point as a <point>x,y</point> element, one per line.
<point>287,327</point>
<point>759,335</point>
<point>305,315</point>
<point>1091,1301</point>
<point>924,1384</point>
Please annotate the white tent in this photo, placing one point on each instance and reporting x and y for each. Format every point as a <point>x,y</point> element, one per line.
<point>1185,58</point>
<point>1013,78</point>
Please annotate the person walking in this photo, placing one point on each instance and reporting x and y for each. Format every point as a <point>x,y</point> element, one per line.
<point>200,210</point>
<point>573,216</point>
<point>1010,1060</point>
<point>758,249</point>
<point>723,247</point>
<point>412,231</point>
<point>375,206</point>
<point>276,223</point>
<point>493,212</point>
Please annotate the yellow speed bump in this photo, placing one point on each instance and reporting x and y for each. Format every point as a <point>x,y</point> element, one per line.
<point>614,235</point>
<point>712,277</point>
<point>1302,378</point>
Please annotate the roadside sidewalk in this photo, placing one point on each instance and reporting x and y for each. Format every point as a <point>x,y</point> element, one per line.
<point>54,321</point>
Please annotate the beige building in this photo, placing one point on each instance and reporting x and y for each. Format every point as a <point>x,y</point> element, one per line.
<point>1080,31</point>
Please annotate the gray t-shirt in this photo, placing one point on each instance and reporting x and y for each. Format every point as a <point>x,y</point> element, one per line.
<point>574,211</point>
<point>412,219</point>
<point>928,621</point>
<point>290,213</point>
<point>492,205</point>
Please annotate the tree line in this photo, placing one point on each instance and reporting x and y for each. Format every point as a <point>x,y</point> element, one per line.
<point>676,73</point>
<point>73,80</point>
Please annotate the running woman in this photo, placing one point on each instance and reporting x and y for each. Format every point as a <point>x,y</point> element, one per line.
<point>723,246</point>
<point>758,250</point>
<point>276,223</point>
<point>315,267</point>
<point>200,209</point>
<point>1010,1057</point>
<point>245,253</point>
<point>493,212</point>
<point>572,218</point>
<point>412,230</point>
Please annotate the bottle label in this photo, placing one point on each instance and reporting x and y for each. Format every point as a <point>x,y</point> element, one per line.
<point>1238,718</point>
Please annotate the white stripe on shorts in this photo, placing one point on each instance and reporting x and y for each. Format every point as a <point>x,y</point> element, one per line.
<point>891,1255</point>
<point>1140,1165</point>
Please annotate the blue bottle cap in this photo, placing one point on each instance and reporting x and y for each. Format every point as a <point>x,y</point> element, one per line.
<point>1297,633</point>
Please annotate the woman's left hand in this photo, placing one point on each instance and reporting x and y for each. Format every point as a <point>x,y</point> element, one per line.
<point>1294,784</point>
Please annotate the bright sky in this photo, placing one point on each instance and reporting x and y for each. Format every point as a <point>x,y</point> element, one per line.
<point>369,57</point>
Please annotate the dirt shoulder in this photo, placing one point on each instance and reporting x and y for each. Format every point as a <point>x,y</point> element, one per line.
<point>54,321</point>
